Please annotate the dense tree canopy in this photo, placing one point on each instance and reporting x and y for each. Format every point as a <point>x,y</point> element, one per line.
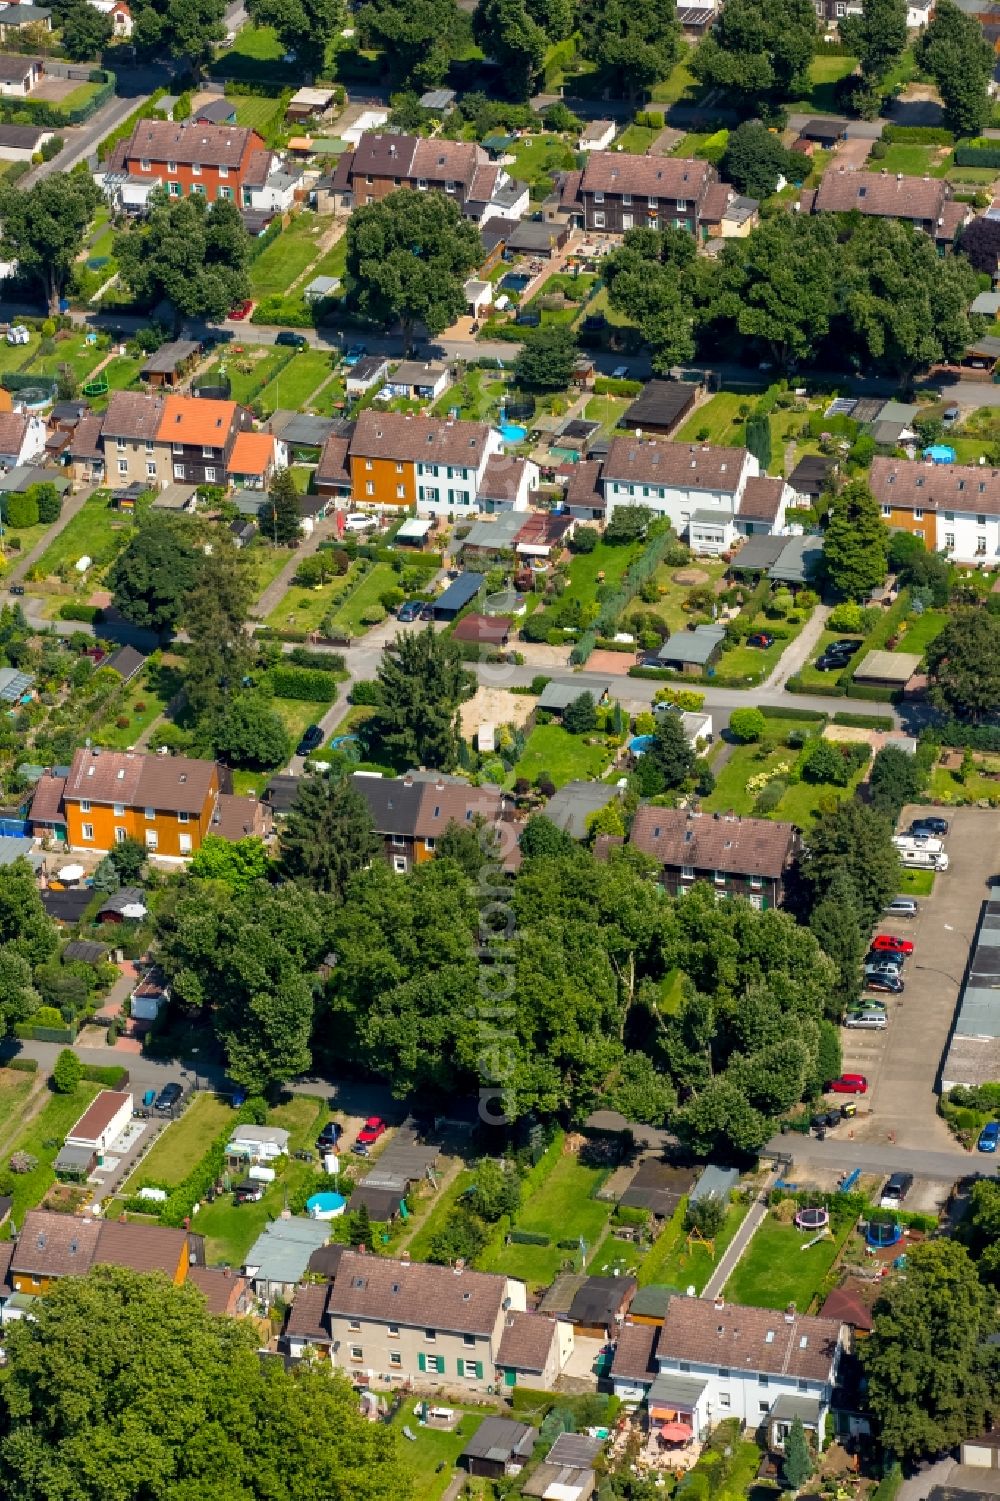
<point>777,284</point>
<point>84,1405</point>
<point>184,28</point>
<point>85,31</point>
<point>152,578</point>
<point>304,27</point>
<point>855,841</point>
<point>328,836</point>
<point>416,38</point>
<point>633,46</point>
<point>194,253</point>
<point>755,160</point>
<point>953,50</point>
<point>509,34</point>
<point>964,663</point>
<point>646,281</point>
<point>877,36</point>
<point>44,227</point>
<point>760,50</point>
<point>856,542</point>
<point>545,362</point>
<point>408,257</point>
<point>423,681</point>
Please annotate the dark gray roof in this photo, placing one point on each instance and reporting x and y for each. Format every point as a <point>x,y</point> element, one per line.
<point>125,896</point>
<point>66,906</point>
<point>216,111</point>
<point>460,592</point>
<point>692,647</point>
<point>657,1186</point>
<point>811,473</point>
<point>799,561</point>
<point>126,661</point>
<point>300,429</point>
<point>660,404</point>
<point>281,792</point>
<point>757,554</point>
<point>169,357</point>
<point>576,1450</point>
<point>601,1299</point>
<point>500,1439</point>
<point>26,137</point>
<point>85,953</point>
<point>571,807</point>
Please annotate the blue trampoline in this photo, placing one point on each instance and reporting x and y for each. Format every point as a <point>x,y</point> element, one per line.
<point>512,432</point>
<point>940,453</point>
<point>882,1233</point>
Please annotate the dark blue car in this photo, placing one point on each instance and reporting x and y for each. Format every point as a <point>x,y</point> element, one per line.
<point>988,1137</point>
<point>409,610</point>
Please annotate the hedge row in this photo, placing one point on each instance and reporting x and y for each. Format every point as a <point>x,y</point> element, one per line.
<point>112,1077</point>
<point>786,711</point>
<point>73,610</point>
<point>604,385</point>
<point>977,156</point>
<point>864,721</point>
<point>918,135</point>
<point>529,1238</point>
<point>23,1065</point>
<point>319,661</point>
<point>310,684</point>
<point>982,737</point>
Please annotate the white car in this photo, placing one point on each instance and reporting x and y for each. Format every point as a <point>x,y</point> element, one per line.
<point>620,372</point>
<point>357,521</point>
<point>873,1020</point>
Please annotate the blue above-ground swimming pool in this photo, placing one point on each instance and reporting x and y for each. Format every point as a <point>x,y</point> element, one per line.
<point>326,1206</point>
<point>640,743</point>
<point>940,453</point>
<point>512,432</point>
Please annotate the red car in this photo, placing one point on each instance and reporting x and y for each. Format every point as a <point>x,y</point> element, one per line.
<point>885,943</point>
<point>848,1084</point>
<point>241,310</point>
<point>373,1128</point>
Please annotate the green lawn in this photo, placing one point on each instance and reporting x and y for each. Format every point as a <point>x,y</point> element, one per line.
<point>303,609</point>
<point>678,1265</point>
<point>731,793</point>
<point>605,559</point>
<point>73,351</point>
<point>123,371</point>
<point>296,382</point>
<point>670,605</point>
<point>911,159</point>
<point>721,416</point>
<point>753,663</point>
<point>13,356</point>
<point>334,262</point>
<point>183,1144</point>
<point>637,139</point>
<point>42,1138</point>
<point>477,396</point>
<point>298,714</point>
<point>565,757</point>
<point>810,674</point>
<point>257,55</point>
<point>681,84</point>
<point>950,787</point>
<point>265,562</point>
<point>430,1458</point>
<point>915,882</point>
<point>365,598</point>
<point>607,410</point>
<point>824,75</point>
<point>561,1208</point>
<point>302,1116</point>
<point>246,370</point>
<point>258,113</point>
<point>776,1270</point>
<point>537,155</point>
<point>153,690</point>
<point>95,531</point>
<point>15,1088</point>
<point>921,630</point>
<point>439,1209</point>
<point>286,257</point>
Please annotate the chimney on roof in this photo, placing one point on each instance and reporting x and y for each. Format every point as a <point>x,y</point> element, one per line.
<point>459,1266</point>
<point>790,1314</point>
<point>720,1303</point>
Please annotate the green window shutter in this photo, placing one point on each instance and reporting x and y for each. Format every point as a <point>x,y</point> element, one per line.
<point>461,1366</point>
<point>440,1365</point>
<point>421,1362</point>
<point>479,1369</point>
<point>510,1378</point>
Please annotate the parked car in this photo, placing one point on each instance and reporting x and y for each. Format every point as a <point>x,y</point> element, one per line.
<point>241,310</point>
<point>373,1128</point>
<point>880,963</point>
<point>290,340</point>
<point>16,589</point>
<point>169,1096</point>
<point>248,1192</point>
<point>950,415</point>
<point>933,827</point>
<point>902,906</point>
<point>329,1136</point>
<point>844,647</point>
<point>836,655</point>
<point>888,943</point>
<point>761,639</point>
<point>872,1021</point>
<point>620,372</point>
<point>830,662</point>
<point>311,740</point>
<point>355,353</point>
<point>848,1084</point>
<point>988,1137</point>
<point>427,613</point>
<point>409,610</point>
<point>888,982</point>
<point>897,1187</point>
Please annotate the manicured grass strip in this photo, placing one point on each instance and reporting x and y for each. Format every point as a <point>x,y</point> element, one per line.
<point>677,1264</point>
<point>302,1115</point>
<point>561,1208</point>
<point>365,598</point>
<point>90,534</point>
<point>776,1270</point>
<point>15,1088</point>
<point>440,1208</point>
<point>916,882</point>
<point>565,757</point>
<point>298,713</point>
<point>286,257</point>
<point>432,1448</point>
<point>921,630</point>
<point>43,1139</point>
<point>296,382</point>
<point>182,1144</point>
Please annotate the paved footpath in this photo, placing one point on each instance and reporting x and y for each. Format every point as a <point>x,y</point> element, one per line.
<point>72,506</point>
<point>740,1241</point>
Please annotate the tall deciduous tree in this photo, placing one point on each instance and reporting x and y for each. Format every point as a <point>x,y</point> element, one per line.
<point>856,542</point>
<point>877,37</point>
<point>926,1359</point>
<point>760,49</point>
<point>185,28</point>
<point>415,37</point>
<point>508,33</point>
<point>43,228</point>
<point>836,922</point>
<point>964,663</point>
<point>194,254</point>
<point>423,682</point>
<point>634,46</point>
<point>248,732</point>
<point>214,614</point>
<point>755,160</point>
<point>958,57</point>
<point>328,835</point>
<point>895,779</point>
<point>239,1430</point>
<point>85,31</point>
<point>546,361</point>
<point>18,996</point>
<point>645,280</point>
<point>856,841</point>
<point>153,578</point>
<point>408,257</point>
<point>777,285</point>
<point>906,306</point>
<point>305,27</point>
<point>237,863</point>
<point>25,927</point>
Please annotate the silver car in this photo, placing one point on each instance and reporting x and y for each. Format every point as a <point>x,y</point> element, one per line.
<point>873,1020</point>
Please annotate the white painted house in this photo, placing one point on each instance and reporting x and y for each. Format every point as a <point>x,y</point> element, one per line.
<point>699,487</point>
<point>952,508</point>
<point>22,438</point>
<point>258,1143</point>
<point>103,1122</point>
<point>713,1360</point>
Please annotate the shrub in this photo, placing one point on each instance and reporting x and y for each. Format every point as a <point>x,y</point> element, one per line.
<point>374,615</point>
<point>23,1162</point>
<point>72,610</point>
<point>747,725</point>
<point>112,1076</point>
<point>367,691</point>
<point>531,1238</point>
<point>67,1073</point>
<point>304,683</point>
<point>23,1065</point>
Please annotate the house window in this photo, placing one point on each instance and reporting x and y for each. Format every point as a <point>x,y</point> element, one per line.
<point>949,540</point>
<point>119,810</point>
<point>400,492</point>
<point>980,520</point>
<point>123,466</point>
<point>354,1326</point>
<point>449,187</point>
<point>197,190</point>
<point>171,166</point>
<point>949,515</point>
<point>918,531</point>
<point>151,471</point>
<point>803,1386</point>
<point>765,1407</point>
<point>210,476</point>
<point>196,169</point>
<point>980,547</point>
<point>757,902</point>
<point>687,872</point>
<point>720,878</point>
<point>87,832</point>
<point>399,865</point>
<point>393,1331</point>
<point>598,221</point>
<point>429,844</point>
<point>178,471</point>
<point>152,839</point>
<point>121,445</point>
<point>184,844</point>
<point>682,205</point>
<point>627,200</point>
<point>357,1353</point>
<point>756,883</point>
<point>397,840</point>
<point>430,1335</point>
<point>175,189</point>
<point>120,836</point>
<point>422,184</point>
<point>395,1358</point>
<point>85,805</point>
<point>150,814</point>
<point>472,1370</point>
<point>887,510</point>
<point>369,465</point>
<point>223,171</point>
<point>369,488</point>
<point>399,468</point>
<point>225,194</point>
<point>182,817</point>
<point>469,1340</point>
<point>761,1379</point>
<point>684,1365</point>
<point>724,1399</point>
<point>144,166</point>
<point>724,1372</point>
<point>918,515</point>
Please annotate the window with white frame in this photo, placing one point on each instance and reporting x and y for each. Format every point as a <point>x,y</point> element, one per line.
<point>87,832</point>
<point>152,839</point>
<point>120,836</point>
<point>123,466</point>
<point>184,844</point>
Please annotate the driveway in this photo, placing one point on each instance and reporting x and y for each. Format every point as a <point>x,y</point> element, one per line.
<point>71,507</point>
<point>799,651</point>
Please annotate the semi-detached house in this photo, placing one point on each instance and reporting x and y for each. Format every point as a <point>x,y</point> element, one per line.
<point>952,508</point>
<point>748,857</point>
<point>699,487</point>
<point>165,802</point>
<point>410,815</point>
<point>186,159</point>
<point>399,459</point>
<point>380,164</point>
<point>924,202</point>
<point>154,440</point>
<point>617,191</point>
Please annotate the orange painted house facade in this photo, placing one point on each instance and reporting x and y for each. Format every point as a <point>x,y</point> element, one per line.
<point>53,1246</point>
<point>399,460</point>
<point>165,802</point>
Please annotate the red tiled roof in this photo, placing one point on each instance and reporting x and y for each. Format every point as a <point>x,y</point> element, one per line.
<point>650,176</point>
<point>908,483</point>
<point>253,453</point>
<point>739,846</point>
<point>46,805</point>
<point>889,197</point>
<point>761,499</point>
<point>195,420</point>
<point>693,466</point>
<point>419,439</point>
<point>749,1339</point>
<point>190,143</point>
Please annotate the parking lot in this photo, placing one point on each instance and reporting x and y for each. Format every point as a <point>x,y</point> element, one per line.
<point>902,1062</point>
